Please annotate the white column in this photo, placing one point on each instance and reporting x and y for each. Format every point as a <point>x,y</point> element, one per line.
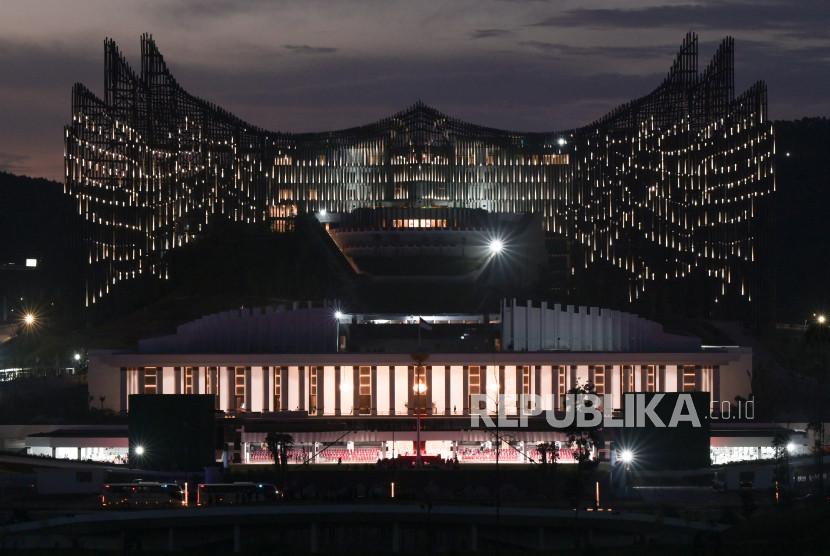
<point>382,394</point>
<point>347,390</point>
<point>438,388</point>
<point>329,391</point>
<point>293,388</point>
<point>545,387</point>
<point>456,390</point>
<point>401,391</point>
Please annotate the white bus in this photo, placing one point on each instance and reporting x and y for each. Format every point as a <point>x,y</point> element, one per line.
<point>143,494</point>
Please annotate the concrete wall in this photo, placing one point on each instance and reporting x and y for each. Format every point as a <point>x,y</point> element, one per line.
<point>529,328</point>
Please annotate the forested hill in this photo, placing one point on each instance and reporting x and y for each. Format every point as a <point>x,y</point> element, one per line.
<point>802,218</point>
<point>32,218</point>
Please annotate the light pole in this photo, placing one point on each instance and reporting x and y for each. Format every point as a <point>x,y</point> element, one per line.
<point>419,388</point>
<point>819,336</point>
<point>626,456</point>
<point>337,315</point>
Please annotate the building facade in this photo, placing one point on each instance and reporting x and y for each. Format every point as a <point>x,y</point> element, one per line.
<point>373,384</point>
<point>672,187</point>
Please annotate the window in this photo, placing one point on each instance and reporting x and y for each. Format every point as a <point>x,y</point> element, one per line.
<point>188,380</point>
<point>239,389</point>
<point>651,381</point>
<point>526,387</point>
<point>151,380</point>
<point>365,393</point>
<point>688,378</point>
<point>312,194</point>
<point>555,159</point>
<point>475,386</point>
<point>286,195</point>
<point>277,389</point>
<point>563,385</point>
<point>627,379</point>
<point>599,380</point>
<point>312,390</point>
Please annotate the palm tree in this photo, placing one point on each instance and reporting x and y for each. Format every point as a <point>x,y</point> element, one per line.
<point>102,398</point>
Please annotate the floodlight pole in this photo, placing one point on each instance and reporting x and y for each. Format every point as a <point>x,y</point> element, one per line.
<point>419,357</point>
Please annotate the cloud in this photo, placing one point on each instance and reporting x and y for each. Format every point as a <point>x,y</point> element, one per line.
<point>797,19</point>
<point>305,49</point>
<point>606,52</point>
<point>13,163</point>
<point>489,33</point>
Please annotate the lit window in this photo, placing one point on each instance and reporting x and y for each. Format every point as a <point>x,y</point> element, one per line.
<point>150,380</point>
<point>312,390</point>
<point>239,388</point>
<point>365,393</point>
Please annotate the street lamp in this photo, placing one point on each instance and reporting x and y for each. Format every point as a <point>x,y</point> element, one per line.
<point>627,457</point>
<point>496,246</point>
<point>420,389</point>
<point>135,455</point>
<point>338,314</point>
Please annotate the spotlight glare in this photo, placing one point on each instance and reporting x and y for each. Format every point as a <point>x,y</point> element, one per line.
<point>790,447</point>
<point>338,315</point>
<point>139,450</point>
<point>496,246</point>
<point>626,456</point>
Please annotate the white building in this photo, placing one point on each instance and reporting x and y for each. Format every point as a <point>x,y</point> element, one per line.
<point>536,351</point>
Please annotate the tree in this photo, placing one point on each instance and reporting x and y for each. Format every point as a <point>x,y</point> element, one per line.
<point>582,439</point>
<point>548,451</point>
<point>278,443</point>
<point>782,457</point>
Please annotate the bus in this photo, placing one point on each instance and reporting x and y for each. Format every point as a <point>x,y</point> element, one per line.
<point>219,494</point>
<point>144,494</point>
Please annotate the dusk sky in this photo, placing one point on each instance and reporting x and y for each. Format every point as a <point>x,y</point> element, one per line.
<point>318,65</point>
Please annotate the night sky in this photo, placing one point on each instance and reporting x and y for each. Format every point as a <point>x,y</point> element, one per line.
<point>318,65</point>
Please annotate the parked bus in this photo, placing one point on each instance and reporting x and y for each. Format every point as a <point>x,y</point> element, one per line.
<point>237,493</point>
<point>144,495</point>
